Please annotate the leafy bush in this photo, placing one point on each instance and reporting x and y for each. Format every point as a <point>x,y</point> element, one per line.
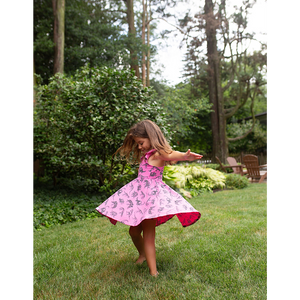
<point>67,202</point>
<point>80,121</point>
<point>191,180</point>
<point>236,181</point>
<point>213,166</point>
<point>195,179</point>
<point>58,207</point>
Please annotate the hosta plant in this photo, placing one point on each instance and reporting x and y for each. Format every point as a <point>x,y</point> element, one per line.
<point>192,180</point>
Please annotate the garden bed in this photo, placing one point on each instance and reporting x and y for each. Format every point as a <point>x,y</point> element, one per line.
<point>58,206</point>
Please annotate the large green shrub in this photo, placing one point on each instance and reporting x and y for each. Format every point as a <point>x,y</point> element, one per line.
<point>236,181</point>
<point>80,121</point>
<point>194,179</point>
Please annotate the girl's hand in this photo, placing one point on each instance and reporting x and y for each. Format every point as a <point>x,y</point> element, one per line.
<point>192,156</point>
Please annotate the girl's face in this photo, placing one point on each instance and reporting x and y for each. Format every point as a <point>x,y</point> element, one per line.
<point>143,144</point>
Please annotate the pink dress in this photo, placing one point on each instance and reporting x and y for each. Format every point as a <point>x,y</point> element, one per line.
<point>148,197</point>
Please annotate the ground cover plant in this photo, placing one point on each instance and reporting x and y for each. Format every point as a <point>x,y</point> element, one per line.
<point>57,208</point>
<point>180,176</point>
<point>222,256</point>
<point>191,180</point>
<point>68,201</point>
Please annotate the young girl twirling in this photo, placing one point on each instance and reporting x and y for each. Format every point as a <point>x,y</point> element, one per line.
<point>147,202</point>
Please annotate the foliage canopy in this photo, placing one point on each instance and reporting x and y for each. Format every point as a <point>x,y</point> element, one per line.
<point>80,121</point>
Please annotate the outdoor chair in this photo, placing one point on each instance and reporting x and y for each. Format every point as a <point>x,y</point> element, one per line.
<point>237,169</point>
<point>253,168</point>
<point>223,167</point>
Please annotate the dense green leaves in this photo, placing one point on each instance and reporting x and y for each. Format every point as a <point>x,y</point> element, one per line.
<point>188,116</point>
<point>93,34</point>
<point>236,181</point>
<point>193,179</point>
<point>81,121</point>
<point>57,208</point>
<point>256,140</point>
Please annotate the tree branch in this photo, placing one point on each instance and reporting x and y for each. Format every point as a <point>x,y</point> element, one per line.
<point>239,104</point>
<point>235,108</point>
<point>168,23</point>
<point>233,66</point>
<point>116,10</point>
<point>253,119</point>
<point>242,136</point>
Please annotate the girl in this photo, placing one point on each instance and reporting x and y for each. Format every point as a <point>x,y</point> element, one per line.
<point>147,202</point>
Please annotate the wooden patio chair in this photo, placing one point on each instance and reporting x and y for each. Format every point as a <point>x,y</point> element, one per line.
<point>221,165</point>
<point>253,168</point>
<point>237,169</point>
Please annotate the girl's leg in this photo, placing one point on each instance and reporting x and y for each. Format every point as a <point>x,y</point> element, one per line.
<point>149,244</point>
<point>135,233</point>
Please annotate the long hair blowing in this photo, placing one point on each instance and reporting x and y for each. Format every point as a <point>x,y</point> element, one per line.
<point>144,129</point>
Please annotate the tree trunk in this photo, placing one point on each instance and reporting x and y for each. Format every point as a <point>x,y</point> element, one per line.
<point>32,77</point>
<point>143,45</point>
<point>218,121</point>
<point>32,84</point>
<point>132,34</point>
<point>59,35</point>
<point>148,44</point>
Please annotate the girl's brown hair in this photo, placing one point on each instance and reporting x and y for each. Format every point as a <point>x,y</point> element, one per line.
<point>144,129</point>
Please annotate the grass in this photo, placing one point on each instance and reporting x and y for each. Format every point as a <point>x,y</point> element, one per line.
<point>222,256</point>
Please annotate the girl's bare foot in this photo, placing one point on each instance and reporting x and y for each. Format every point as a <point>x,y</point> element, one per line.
<point>154,275</point>
<point>140,260</point>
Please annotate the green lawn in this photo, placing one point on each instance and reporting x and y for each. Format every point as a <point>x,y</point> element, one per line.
<point>222,256</point>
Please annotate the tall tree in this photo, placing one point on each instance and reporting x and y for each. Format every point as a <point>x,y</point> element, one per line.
<point>143,43</point>
<point>146,30</point>
<point>59,35</point>
<point>218,124</point>
<point>148,16</point>
<point>33,6</point>
<point>132,35</point>
<point>94,34</point>
<point>233,76</point>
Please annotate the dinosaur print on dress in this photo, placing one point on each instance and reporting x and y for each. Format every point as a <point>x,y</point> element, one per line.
<point>148,197</point>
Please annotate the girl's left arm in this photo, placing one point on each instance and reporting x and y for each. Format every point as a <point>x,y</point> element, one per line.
<point>179,156</point>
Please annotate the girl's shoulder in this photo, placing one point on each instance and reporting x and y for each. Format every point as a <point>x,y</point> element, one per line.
<point>155,158</point>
